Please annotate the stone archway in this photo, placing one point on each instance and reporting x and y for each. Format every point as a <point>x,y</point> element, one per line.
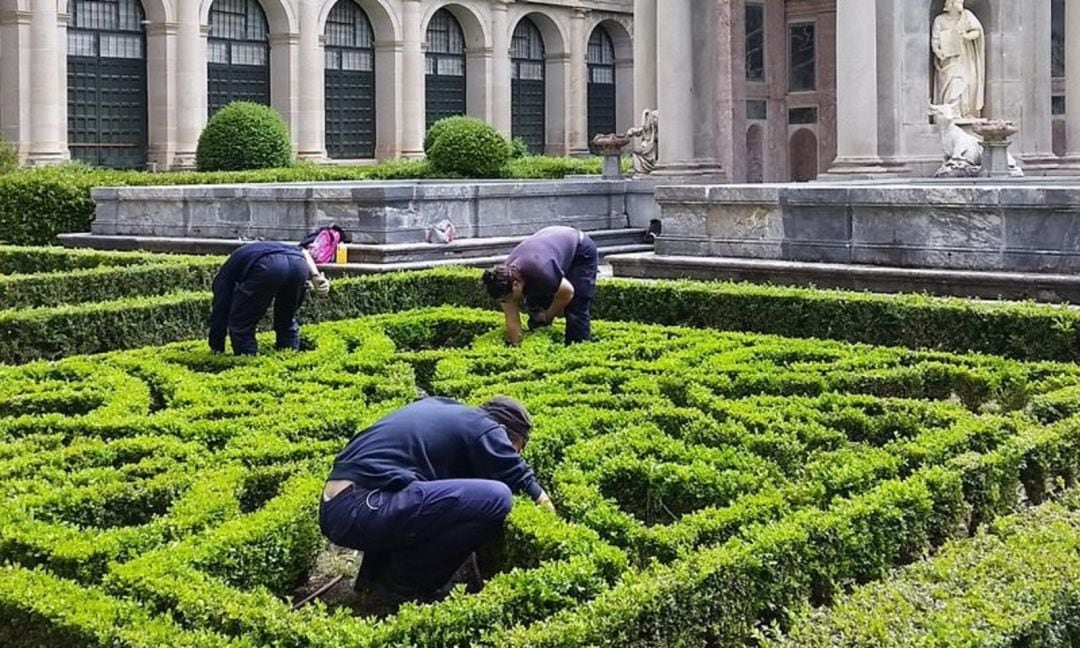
<point>556,76</point>
<point>624,73</point>
<point>388,32</point>
<point>477,36</point>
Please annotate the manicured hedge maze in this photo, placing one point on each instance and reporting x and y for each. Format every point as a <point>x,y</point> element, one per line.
<point>712,486</point>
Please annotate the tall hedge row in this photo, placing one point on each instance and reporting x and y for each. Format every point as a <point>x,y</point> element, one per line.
<point>1016,330</point>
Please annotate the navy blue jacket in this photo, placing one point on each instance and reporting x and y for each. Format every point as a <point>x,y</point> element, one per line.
<point>232,272</point>
<point>433,439</point>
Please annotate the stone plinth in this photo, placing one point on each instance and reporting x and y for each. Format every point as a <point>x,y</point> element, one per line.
<point>384,212</point>
<point>1028,225</point>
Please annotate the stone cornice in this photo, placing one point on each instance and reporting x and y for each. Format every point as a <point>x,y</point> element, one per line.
<point>16,17</point>
<point>290,38</point>
<point>162,29</point>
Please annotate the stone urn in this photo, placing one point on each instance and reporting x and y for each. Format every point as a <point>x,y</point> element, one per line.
<point>996,135</point>
<point>611,147</point>
<point>995,130</point>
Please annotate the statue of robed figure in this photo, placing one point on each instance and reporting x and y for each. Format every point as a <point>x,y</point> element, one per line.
<point>959,44</point>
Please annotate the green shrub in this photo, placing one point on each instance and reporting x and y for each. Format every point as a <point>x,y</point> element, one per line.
<point>9,158</point>
<point>468,147</point>
<point>542,167</point>
<point>243,136</point>
<point>1018,585</point>
<point>518,148</point>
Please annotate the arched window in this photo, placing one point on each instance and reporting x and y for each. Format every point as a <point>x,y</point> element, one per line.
<point>350,83</point>
<point>528,98</point>
<point>803,155</point>
<point>445,90</point>
<point>601,61</point>
<point>106,73</point>
<point>239,54</point>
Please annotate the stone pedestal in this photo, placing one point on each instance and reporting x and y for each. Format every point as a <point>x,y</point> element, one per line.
<point>611,147</point>
<point>995,135</point>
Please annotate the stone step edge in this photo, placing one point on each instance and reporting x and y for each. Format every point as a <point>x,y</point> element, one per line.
<point>344,269</point>
<point>889,279</point>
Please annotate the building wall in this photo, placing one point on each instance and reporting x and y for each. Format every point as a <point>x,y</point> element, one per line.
<point>871,105</point>
<point>33,70</point>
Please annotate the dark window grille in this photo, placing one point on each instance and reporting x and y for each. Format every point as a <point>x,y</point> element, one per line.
<point>445,61</point>
<point>807,115</point>
<point>1057,38</point>
<point>239,54</point>
<point>803,49</point>
<point>350,83</point>
<point>1057,105</point>
<point>757,109</point>
<point>755,42</point>
<point>106,83</point>
<point>528,94</point>
<point>601,61</point>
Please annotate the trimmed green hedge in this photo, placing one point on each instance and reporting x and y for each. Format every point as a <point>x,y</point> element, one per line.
<point>243,136</point>
<point>1018,584</point>
<point>105,283</point>
<point>1016,330</point>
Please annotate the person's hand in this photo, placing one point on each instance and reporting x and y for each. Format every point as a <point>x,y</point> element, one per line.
<point>538,319</point>
<point>321,285</point>
<point>545,502</point>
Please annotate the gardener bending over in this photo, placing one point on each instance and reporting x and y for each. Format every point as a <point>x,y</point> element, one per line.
<point>420,490</point>
<point>253,276</point>
<point>554,272</point>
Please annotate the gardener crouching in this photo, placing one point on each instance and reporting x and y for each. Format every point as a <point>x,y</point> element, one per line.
<point>262,272</point>
<point>420,490</point>
<point>554,273</point>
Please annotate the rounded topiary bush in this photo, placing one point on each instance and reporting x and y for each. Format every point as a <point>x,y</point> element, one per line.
<point>468,147</point>
<point>243,136</point>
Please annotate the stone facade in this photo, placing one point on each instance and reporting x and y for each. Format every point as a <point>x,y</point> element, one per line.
<point>34,74</point>
<point>765,104</point>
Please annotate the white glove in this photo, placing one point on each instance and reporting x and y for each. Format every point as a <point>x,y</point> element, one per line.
<point>321,285</point>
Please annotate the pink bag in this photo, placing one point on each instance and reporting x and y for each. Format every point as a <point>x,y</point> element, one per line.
<point>323,243</point>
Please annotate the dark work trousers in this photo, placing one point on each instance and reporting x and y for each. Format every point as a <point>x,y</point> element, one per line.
<point>416,538</point>
<point>280,278</point>
<point>582,276</point>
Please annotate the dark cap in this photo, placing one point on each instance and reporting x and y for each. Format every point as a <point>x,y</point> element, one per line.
<point>510,414</point>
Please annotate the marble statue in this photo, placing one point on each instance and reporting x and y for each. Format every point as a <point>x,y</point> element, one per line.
<point>959,44</point>
<point>646,142</point>
<point>963,152</point>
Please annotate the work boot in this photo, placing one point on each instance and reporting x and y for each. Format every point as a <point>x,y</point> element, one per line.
<point>367,575</point>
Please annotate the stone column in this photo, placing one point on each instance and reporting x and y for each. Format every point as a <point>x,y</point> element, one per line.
<point>311,117</point>
<point>191,83</point>
<point>413,83</point>
<point>15,80</point>
<point>856,89</point>
<point>161,96</point>
<point>645,18</point>
<point>578,128</point>
<point>676,93</point>
<point>47,142</point>
<point>500,67</point>
<point>285,80</point>
<point>1072,81</point>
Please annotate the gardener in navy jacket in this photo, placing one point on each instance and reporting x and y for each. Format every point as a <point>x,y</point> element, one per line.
<point>420,490</point>
<point>554,272</point>
<point>253,276</point>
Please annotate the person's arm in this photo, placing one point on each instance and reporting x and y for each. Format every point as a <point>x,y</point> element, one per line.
<point>223,286</point>
<point>513,321</point>
<point>563,296</point>
<point>318,280</point>
<point>492,456</point>
<point>313,268</point>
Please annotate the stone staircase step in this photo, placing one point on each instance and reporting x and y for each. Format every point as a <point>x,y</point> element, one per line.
<point>352,268</point>
<point>469,248</point>
<point>981,284</point>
